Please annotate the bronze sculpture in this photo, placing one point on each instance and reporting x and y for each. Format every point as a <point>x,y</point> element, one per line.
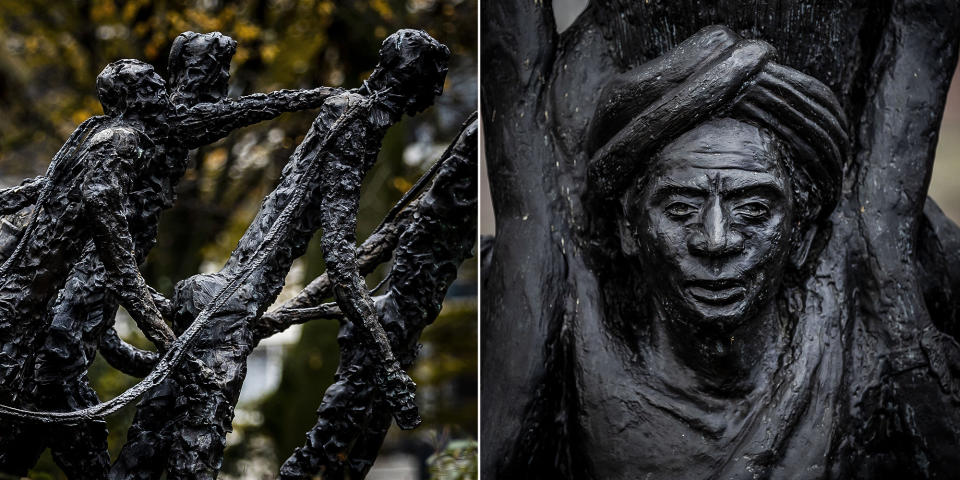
<point>220,318</point>
<point>726,213</point>
<point>199,74</point>
<point>739,279</point>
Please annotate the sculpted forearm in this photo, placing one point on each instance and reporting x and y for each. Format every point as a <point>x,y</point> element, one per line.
<point>208,122</point>
<point>14,198</point>
<point>125,357</point>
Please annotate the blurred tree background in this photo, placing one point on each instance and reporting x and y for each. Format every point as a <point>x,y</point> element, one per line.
<point>50,55</point>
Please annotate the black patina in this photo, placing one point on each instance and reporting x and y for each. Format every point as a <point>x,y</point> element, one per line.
<point>130,160</point>
<point>730,268</point>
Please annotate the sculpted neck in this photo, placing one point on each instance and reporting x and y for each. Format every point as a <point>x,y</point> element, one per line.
<point>726,362</point>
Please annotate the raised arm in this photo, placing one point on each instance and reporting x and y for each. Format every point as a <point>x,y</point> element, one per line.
<point>901,121</point>
<point>519,313</point>
<point>103,202</point>
<point>14,198</point>
<point>205,123</point>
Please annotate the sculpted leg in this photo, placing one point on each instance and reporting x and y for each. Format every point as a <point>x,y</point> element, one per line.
<point>144,455</point>
<point>20,447</point>
<point>80,450</point>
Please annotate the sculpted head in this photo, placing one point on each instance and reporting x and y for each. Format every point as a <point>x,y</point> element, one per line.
<point>131,87</point>
<point>721,182</point>
<point>407,54</point>
<point>199,67</point>
<point>714,218</point>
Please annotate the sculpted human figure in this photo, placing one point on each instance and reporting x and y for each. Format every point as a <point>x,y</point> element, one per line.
<point>319,189</point>
<point>80,213</point>
<point>736,271</point>
<point>723,204</point>
<point>133,95</point>
<point>198,114</point>
<point>81,201</point>
<point>181,424</point>
<point>325,177</point>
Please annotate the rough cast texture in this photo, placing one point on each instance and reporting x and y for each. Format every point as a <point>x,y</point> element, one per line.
<point>192,386</point>
<point>79,316</point>
<point>429,248</point>
<point>862,351</point>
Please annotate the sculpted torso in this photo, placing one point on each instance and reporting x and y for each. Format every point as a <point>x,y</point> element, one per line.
<point>731,268</point>
<point>715,218</point>
<point>696,372</point>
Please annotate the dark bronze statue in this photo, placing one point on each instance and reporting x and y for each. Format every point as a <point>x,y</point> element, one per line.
<point>732,270</point>
<point>81,200</point>
<point>725,212</point>
<point>192,383</point>
<point>199,66</point>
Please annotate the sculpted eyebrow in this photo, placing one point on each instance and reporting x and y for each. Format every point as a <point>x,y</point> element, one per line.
<point>771,190</point>
<point>669,189</point>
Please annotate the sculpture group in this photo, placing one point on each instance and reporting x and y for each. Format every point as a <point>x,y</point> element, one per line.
<point>94,218</point>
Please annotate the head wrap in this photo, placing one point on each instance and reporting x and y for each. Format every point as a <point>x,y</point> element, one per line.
<point>713,74</point>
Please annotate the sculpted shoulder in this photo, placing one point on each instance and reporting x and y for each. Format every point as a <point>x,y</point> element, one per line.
<point>123,141</point>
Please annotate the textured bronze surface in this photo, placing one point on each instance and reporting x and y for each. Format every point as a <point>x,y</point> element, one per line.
<point>95,219</point>
<point>715,257</point>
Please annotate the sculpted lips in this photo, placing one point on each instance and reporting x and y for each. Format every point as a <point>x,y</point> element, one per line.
<point>716,292</point>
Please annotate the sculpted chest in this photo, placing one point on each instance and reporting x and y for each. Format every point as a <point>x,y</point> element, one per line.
<point>760,190</point>
<point>631,421</point>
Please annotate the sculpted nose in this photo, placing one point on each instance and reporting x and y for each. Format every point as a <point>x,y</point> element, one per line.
<point>714,237</point>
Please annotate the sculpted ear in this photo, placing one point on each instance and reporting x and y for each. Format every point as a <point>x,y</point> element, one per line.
<point>628,242</point>
<point>799,255</point>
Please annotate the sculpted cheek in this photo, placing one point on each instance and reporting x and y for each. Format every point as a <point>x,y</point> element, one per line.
<point>667,243</point>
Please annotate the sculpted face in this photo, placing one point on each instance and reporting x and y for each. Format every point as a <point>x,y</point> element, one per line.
<point>153,93</point>
<point>131,86</point>
<point>711,225</point>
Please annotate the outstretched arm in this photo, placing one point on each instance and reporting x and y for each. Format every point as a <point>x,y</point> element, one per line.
<point>208,122</point>
<point>14,198</point>
<point>102,190</point>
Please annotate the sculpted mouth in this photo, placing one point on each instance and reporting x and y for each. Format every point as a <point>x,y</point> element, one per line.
<point>716,292</point>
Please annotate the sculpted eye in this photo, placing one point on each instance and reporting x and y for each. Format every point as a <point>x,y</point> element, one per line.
<point>752,210</point>
<point>680,210</point>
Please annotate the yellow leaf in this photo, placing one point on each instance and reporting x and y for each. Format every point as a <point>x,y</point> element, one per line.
<point>246,32</point>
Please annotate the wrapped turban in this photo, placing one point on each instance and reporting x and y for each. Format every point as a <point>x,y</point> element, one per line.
<point>714,74</point>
